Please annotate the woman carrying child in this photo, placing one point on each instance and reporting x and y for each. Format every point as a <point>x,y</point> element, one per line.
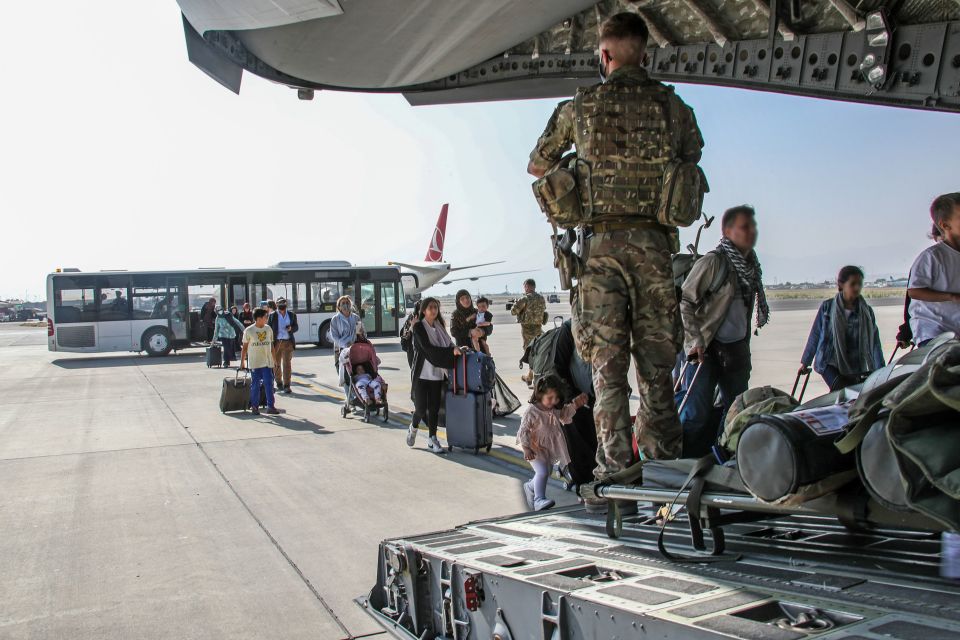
<point>463,322</point>
<point>541,438</point>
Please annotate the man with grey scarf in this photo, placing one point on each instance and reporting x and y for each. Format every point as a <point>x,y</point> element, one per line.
<point>844,337</point>
<point>719,298</point>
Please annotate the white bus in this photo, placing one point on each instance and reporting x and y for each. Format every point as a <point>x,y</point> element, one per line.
<point>159,311</point>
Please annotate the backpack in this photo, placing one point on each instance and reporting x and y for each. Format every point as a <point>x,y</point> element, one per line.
<point>683,265</point>
<point>542,356</point>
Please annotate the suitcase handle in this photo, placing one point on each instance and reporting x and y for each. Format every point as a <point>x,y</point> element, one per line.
<point>463,358</point>
<point>244,369</point>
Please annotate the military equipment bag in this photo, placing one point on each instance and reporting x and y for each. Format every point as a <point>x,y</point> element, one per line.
<point>910,457</point>
<point>778,455</point>
<point>684,183</point>
<point>558,194</point>
<point>681,200</point>
<point>752,402</point>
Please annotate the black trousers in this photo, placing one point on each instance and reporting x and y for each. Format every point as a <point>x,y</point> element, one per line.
<point>427,398</point>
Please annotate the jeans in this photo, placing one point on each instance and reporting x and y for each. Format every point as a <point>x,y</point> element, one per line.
<point>428,396</point>
<point>725,366</point>
<point>262,376</point>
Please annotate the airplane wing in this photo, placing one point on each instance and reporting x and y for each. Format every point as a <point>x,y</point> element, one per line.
<point>474,266</point>
<point>408,265</point>
<point>487,275</point>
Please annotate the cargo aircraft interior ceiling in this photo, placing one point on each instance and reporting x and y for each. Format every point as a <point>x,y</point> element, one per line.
<point>893,52</point>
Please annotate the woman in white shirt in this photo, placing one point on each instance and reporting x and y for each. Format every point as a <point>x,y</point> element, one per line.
<point>434,353</point>
<point>934,286</point>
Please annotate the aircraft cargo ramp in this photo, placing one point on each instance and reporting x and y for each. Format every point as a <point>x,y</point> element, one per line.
<point>558,575</point>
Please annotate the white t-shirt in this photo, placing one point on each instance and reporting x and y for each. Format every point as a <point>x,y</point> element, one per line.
<point>937,268</point>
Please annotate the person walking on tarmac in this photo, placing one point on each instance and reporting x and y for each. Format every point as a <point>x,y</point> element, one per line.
<point>716,323</point>
<point>844,336</point>
<point>627,130</point>
<point>343,328</point>
<point>530,311</point>
<point>434,354</point>
<point>284,325</point>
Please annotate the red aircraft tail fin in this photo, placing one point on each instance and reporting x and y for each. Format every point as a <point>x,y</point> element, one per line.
<point>435,250</point>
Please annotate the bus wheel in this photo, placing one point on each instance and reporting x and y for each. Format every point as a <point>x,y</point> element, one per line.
<point>324,340</point>
<point>157,342</point>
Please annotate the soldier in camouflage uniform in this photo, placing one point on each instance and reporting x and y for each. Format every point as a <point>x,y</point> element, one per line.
<point>626,129</point>
<point>529,311</point>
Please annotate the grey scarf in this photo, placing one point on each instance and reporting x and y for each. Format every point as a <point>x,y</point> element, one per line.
<point>838,325</point>
<point>749,277</point>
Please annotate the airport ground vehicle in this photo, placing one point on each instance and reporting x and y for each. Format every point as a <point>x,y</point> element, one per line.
<point>159,311</point>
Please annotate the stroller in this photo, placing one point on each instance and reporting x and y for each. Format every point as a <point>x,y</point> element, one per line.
<point>361,352</point>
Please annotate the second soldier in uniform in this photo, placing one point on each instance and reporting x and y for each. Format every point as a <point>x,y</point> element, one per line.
<point>530,311</point>
<point>626,129</point>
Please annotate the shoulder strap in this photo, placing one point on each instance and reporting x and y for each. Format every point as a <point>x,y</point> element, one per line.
<point>720,277</point>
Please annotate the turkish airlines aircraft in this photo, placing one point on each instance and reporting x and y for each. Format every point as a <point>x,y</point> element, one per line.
<point>433,269</point>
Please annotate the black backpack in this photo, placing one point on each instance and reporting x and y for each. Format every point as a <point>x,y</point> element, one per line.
<point>552,355</point>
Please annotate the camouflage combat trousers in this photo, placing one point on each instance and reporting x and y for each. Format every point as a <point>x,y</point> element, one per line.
<point>628,306</point>
<point>530,332</point>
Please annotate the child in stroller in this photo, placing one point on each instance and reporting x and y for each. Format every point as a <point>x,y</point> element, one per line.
<point>362,385</point>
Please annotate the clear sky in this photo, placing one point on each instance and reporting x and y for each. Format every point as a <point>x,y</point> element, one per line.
<point>118,153</point>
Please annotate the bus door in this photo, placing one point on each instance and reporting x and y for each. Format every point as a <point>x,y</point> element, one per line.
<point>237,293</point>
<point>369,309</point>
<point>389,309</point>
<point>178,310</point>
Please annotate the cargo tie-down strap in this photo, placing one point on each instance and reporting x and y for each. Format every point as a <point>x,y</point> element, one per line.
<point>703,469</point>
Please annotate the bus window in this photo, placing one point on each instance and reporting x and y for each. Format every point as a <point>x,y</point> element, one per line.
<point>74,303</point>
<point>114,303</point>
<point>200,292</point>
<point>150,303</point>
<point>323,296</point>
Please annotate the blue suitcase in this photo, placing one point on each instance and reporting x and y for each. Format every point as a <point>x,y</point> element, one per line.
<point>474,372</point>
<point>469,420</point>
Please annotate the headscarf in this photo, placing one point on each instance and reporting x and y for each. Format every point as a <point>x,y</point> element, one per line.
<point>749,278</point>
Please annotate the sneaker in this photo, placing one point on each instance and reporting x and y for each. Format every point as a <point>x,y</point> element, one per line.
<point>272,411</point>
<point>255,411</point>
<point>434,445</point>
<point>565,472</point>
<point>542,504</point>
<point>528,493</point>
<point>411,436</point>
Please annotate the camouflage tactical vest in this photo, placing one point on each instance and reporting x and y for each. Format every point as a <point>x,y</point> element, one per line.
<point>624,134</point>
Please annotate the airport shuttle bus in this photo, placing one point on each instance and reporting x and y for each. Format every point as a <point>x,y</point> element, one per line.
<point>159,311</point>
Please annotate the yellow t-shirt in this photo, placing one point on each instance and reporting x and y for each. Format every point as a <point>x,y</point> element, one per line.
<point>259,341</point>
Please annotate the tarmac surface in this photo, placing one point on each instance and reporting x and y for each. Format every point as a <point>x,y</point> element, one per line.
<point>132,508</point>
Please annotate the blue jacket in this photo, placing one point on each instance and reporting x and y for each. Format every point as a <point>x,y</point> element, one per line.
<point>820,341</point>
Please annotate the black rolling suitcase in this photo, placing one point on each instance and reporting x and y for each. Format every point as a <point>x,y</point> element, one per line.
<point>469,420</point>
<point>214,356</point>
<point>235,394</point>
